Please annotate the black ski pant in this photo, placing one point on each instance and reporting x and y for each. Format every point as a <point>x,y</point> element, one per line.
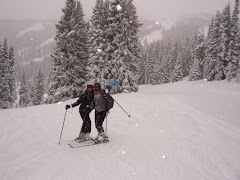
<point>86,127</point>
<point>99,118</point>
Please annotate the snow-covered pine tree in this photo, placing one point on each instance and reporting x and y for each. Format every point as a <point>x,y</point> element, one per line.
<point>98,43</point>
<point>196,71</point>
<point>39,88</point>
<point>80,55</point>
<point>238,72</point>
<point>23,92</point>
<point>142,67</point>
<point>216,65</point>
<point>165,76</point>
<point>177,73</point>
<point>157,66</point>
<point>225,29</point>
<point>68,72</point>
<point>123,44</point>
<point>10,77</point>
<point>31,90</point>
<point>234,46</point>
<point>176,48</point>
<point>208,50</point>
<point>148,63</point>
<point>152,63</point>
<point>4,86</point>
<point>2,66</point>
<point>187,56</point>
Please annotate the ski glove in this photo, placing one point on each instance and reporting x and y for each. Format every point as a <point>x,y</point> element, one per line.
<point>67,107</point>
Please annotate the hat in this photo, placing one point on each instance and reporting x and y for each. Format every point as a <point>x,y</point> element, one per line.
<point>97,84</point>
<point>89,86</point>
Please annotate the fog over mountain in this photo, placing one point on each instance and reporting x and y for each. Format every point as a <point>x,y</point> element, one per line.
<point>150,9</point>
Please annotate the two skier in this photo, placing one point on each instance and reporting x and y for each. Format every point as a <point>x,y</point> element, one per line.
<point>94,97</point>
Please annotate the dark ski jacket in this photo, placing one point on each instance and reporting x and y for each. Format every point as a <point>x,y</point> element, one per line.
<point>86,101</point>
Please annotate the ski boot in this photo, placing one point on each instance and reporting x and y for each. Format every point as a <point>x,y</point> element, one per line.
<point>83,137</point>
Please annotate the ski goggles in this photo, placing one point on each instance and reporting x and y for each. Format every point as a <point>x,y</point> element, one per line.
<point>96,87</point>
<point>89,86</point>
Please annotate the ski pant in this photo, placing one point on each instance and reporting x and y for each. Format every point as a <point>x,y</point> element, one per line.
<point>86,127</point>
<point>99,118</point>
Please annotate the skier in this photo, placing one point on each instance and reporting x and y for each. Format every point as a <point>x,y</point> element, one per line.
<point>103,102</point>
<point>86,101</point>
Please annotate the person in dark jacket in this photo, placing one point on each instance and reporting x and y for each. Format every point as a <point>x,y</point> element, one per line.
<point>86,101</point>
<point>101,106</point>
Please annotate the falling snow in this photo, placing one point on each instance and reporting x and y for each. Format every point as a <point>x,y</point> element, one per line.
<point>119,7</point>
<point>99,50</point>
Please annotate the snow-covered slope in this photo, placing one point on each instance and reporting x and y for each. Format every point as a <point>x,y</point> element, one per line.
<point>156,30</point>
<point>184,131</point>
<point>35,27</point>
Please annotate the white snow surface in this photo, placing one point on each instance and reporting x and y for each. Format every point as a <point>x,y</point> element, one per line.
<point>179,131</point>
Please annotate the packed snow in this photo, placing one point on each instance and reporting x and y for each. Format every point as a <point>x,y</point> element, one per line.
<point>184,130</point>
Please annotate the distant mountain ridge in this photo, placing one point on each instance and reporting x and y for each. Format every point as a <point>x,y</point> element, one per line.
<point>33,40</point>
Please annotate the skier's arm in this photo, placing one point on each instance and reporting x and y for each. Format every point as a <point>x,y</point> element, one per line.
<point>79,101</point>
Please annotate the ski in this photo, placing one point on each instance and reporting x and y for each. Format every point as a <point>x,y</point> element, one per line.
<point>87,143</point>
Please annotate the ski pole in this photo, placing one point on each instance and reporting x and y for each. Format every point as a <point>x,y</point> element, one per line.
<point>122,108</point>
<point>62,126</point>
<point>106,124</point>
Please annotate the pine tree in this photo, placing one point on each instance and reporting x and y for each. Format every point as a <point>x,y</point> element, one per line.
<point>216,65</point>
<point>98,56</point>
<point>238,73</point>
<point>177,73</point>
<point>23,92</point>
<point>165,76</point>
<point>196,72</point>
<point>10,77</point>
<point>142,67</point>
<point>68,72</point>
<point>234,46</point>
<point>31,90</point>
<point>157,66</point>
<point>2,66</point>
<point>4,86</point>
<point>208,50</point>
<point>225,30</point>
<point>187,57</point>
<point>39,89</point>
<point>123,43</point>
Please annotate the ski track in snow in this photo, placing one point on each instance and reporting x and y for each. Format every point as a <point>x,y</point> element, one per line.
<point>176,131</point>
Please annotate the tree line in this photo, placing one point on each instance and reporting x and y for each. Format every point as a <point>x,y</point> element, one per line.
<point>106,48</point>
<point>7,83</point>
<point>216,57</point>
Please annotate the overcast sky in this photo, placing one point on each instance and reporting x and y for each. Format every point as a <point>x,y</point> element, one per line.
<point>154,9</point>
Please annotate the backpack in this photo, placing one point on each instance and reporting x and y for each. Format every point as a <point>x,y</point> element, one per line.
<point>109,99</point>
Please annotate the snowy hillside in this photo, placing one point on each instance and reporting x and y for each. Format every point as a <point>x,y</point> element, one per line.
<point>180,131</point>
<point>156,30</point>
